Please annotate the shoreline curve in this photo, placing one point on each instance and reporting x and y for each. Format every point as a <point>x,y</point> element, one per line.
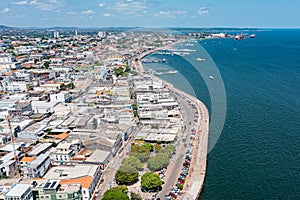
<point>194,183</point>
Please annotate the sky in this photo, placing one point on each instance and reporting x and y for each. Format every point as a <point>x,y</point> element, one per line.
<point>150,13</point>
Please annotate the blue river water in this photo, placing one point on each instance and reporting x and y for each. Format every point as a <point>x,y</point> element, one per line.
<point>258,153</point>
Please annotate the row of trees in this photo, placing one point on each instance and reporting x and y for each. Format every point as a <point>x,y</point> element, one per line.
<point>128,171</point>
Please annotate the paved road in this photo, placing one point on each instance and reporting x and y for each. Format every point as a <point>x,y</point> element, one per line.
<point>195,181</point>
<point>174,168</point>
<point>110,171</point>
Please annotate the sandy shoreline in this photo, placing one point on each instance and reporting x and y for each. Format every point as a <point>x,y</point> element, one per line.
<point>195,180</point>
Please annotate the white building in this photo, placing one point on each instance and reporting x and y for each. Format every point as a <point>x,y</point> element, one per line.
<point>7,62</point>
<point>43,106</point>
<point>19,192</point>
<point>63,97</point>
<point>64,151</point>
<point>15,86</point>
<point>87,175</point>
<point>56,34</point>
<point>101,34</point>
<point>38,167</point>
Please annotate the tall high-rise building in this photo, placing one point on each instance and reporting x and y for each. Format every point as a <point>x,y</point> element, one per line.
<point>56,34</point>
<point>101,34</point>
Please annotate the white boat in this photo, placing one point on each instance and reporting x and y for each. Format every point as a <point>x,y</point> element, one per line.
<point>172,72</point>
<point>211,77</point>
<point>200,59</point>
<point>189,44</point>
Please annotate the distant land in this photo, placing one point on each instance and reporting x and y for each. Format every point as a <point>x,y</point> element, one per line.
<point>5,27</point>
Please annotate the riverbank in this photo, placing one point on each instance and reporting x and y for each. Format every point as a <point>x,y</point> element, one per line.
<point>195,180</point>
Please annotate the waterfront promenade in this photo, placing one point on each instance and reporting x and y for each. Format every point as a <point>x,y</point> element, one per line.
<point>195,179</point>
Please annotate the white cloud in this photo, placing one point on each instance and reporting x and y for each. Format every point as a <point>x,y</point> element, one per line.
<point>129,6</point>
<point>46,4</point>
<point>88,12</point>
<point>5,10</point>
<point>106,15</point>
<point>102,4</point>
<point>19,2</point>
<point>71,13</point>
<point>203,11</point>
<point>19,16</point>
<point>170,14</point>
<point>179,12</point>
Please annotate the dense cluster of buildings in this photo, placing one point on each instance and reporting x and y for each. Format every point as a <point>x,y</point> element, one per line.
<point>65,113</point>
<point>159,112</point>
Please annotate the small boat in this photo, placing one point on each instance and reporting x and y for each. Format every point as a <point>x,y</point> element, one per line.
<point>239,37</point>
<point>211,77</point>
<point>200,59</point>
<point>252,36</point>
<point>172,72</point>
<point>189,44</point>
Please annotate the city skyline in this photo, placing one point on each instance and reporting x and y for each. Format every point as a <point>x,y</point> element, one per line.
<point>149,13</point>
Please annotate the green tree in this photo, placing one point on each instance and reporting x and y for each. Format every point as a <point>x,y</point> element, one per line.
<point>135,113</point>
<point>168,150</point>
<point>122,188</point>
<point>126,174</point>
<point>135,196</point>
<point>158,162</point>
<point>140,152</point>
<point>180,186</point>
<point>46,64</point>
<point>63,87</point>
<point>134,106</point>
<point>157,148</point>
<point>148,146</point>
<point>150,181</point>
<point>115,194</point>
<point>71,85</point>
<point>127,69</point>
<point>133,161</point>
<point>119,71</point>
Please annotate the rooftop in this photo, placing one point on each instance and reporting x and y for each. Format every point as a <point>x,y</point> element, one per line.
<point>71,172</point>
<point>18,190</point>
<point>40,148</point>
<point>27,159</point>
<point>98,156</point>
<point>84,181</point>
